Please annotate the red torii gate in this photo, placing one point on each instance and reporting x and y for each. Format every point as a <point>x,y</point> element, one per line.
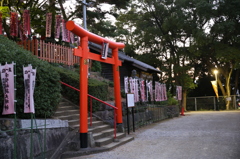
<point>83,51</point>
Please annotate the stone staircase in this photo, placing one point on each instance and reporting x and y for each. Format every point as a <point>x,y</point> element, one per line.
<point>102,133</point>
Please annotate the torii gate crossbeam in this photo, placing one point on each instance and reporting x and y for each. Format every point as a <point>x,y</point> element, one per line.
<point>83,52</point>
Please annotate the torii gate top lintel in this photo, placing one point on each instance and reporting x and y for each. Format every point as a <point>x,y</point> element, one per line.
<point>79,31</point>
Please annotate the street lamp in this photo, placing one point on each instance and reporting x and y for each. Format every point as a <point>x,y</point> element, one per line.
<point>85,4</point>
<point>216,79</point>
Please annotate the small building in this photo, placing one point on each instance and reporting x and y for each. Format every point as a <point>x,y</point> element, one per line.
<point>129,64</point>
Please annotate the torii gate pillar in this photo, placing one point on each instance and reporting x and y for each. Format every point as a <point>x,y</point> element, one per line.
<point>83,52</point>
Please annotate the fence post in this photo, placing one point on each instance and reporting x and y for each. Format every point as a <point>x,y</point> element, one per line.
<point>234,102</point>
<point>214,103</point>
<point>195,104</point>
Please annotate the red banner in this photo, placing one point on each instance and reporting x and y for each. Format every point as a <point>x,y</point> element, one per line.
<point>48,24</point>
<point>26,22</point>
<point>1,23</point>
<point>14,24</point>
<point>65,32</point>
<point>57,26</point>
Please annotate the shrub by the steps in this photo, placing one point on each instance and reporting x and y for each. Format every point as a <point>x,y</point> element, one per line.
<point>96,88</point>
<point>47,88</point>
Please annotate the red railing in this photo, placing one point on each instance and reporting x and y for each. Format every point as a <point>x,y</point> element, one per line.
<point>92,97</point>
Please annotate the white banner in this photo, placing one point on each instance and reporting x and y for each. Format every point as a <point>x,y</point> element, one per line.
<point>136,89</point>
<point>131,84</point>
<point>150,90</point>
<point>29,83</point>
<point>126,84</point>
<point>7,78</point>
<point>157,91</point>
<point>160,92</point>
<point>142,89</point>
<point>164,92</point>
<point>179,93</point>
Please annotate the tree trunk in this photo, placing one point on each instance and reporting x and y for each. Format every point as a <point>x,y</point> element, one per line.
<point>228,89</point>
<point>236,82</point>
<point>184,100</point>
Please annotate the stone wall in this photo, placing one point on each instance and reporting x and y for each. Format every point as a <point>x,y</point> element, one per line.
<point>55,132</point>
<point>144,114</point>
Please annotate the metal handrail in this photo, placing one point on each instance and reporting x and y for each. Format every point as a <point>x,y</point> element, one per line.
<point>92,97</point>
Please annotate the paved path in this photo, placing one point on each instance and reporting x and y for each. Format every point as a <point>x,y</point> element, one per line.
<point>198,135</point>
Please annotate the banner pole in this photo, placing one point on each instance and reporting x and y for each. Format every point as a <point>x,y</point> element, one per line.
<point>31,149</point>
<point>45,136</point>
<point>15,116</point>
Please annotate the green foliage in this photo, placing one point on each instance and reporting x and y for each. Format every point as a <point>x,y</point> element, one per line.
<point>96,88</point>
<point>171,100</point>
<point>47,88</point>
<point>96,66</point>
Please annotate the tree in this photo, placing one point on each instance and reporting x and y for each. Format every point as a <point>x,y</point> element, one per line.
<point>219,47</point>
<point>162,30</point>
<point>96,16</point>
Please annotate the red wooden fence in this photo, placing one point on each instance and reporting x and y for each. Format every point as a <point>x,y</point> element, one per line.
<point>50,52</point>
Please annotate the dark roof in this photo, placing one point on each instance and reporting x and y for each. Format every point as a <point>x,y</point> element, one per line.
<point>136,63</point>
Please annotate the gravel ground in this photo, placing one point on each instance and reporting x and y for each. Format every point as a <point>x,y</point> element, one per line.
<point>198,135</point>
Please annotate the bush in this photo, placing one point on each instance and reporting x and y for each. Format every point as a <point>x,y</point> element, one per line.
<point>96,88</point>
<point>171,100</point>
<point>96,66</point>
<point>47,88</point>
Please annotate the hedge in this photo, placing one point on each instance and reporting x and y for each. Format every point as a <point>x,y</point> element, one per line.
<point>47,88</point>
<point>96,88</point>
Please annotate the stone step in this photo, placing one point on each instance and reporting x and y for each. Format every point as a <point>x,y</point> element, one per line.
<point>63,103</point>
<point>105,133</point>
<point>66,108</point>
<point>89,151</point>
<point>73,122</point>
<point>95,123</point>
<point>98,129</point>
<point>118,143</point>
<point>69,117</point>
<point>64,113</point>
<point>76,122</point>
<point>107,140</point>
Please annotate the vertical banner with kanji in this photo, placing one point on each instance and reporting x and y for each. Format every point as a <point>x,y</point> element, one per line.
<point>14,24</point>
<point>29,83</point>
<point>26,22</point>
<point>58,22</point>
<point>179,93</point>
<point>164,92</point>
<point>126,84</point>
<point>150,90</point>
<point>1,23</point>
<point>48,24</point>
<point>65,32</point>
<point>7,78</point>
<point>142,90</point>
<point>131,84</point>
<point>157,91</point>
<point>136,89</point>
